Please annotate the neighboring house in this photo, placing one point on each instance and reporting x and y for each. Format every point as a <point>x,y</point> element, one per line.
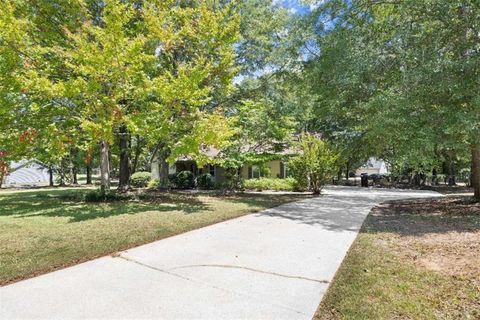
<point>373,166</point>
<point>27,173</point>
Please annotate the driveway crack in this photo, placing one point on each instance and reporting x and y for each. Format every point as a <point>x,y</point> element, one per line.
<point>249,269</point>
<point>196,281</point>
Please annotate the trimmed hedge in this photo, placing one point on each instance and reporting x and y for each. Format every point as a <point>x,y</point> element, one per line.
<point>185,180</point>
<point>206,182</point>
<point>140,179</point>
<point>287,184</point>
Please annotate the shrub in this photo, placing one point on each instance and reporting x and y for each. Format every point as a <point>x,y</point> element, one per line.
<point>315,165</point>
<point>108,196</point>
<point>276,184</point>
<point>206,182</point>
<point>153,184</point>
<point>173,180</point>
<point>185,180</point>
<point>140,179</point>
<point>300,186</point>
<point>232,181</point>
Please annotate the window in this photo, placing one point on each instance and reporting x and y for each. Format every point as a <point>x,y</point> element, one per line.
<point>256,172</point>
<point>286,172</point>
<point>210,169</point>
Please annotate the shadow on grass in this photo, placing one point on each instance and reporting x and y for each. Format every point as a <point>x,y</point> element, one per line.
<point>419,217</point>
<point>68,203</point>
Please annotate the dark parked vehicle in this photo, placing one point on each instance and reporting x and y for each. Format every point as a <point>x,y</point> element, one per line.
<point>375,176</point>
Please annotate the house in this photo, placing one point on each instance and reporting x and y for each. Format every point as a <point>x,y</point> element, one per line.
<point>275,165</point>
<point>27,173</point>
<point>373,166</point>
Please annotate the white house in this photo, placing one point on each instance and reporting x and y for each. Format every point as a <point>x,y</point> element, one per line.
<point>27,173</point>
<point>373,166</point>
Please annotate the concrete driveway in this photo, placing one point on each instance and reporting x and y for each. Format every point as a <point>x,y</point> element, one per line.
<point>276,264</point>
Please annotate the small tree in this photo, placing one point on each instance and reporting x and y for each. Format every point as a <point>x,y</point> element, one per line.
<point>315,165</point>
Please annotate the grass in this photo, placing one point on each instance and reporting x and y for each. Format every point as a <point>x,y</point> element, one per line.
<point>43,230</point>
<point>412,260</point>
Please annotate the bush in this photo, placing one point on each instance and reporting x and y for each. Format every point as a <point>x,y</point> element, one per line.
<point>300,186</point>
<point>232,181</point>
<point>105,196</point>
<point>173,180</point>
<point>287,184</point>
<point>185,180</point>
<point>140,179</point>
<point>153,184</point>
<point>206,182</point>
<point>315,165</point>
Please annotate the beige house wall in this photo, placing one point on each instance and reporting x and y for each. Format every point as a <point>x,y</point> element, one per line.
<point>274,166</point>
<point>244,172</point>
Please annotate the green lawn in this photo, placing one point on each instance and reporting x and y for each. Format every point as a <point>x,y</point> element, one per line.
<point>412,260</point>
<point>43,230</point>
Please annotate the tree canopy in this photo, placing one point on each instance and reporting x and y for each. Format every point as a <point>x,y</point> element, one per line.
<point>114,83</point>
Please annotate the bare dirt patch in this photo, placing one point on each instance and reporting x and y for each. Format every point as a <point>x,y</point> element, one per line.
<point>441,235</point>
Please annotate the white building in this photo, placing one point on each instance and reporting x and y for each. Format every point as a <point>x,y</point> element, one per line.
<point>27,173</point>
<point>373,166</point>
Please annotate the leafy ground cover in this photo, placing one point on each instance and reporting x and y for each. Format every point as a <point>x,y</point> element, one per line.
<point>416,259</point>
<point>43,230</point>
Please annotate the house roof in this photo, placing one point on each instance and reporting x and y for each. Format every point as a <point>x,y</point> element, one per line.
<point>16,165</point>
<point>208,151</point>
<point>280,148</point>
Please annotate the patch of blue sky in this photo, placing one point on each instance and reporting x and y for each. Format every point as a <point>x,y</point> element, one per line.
<point>294,6</point>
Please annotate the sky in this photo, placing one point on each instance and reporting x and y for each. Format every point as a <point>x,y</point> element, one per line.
<point>294,6</point>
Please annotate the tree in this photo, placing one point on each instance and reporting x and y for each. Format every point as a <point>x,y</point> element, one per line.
<point>315,165</point>
<point>411,66</point>
<point>192,70</point>
<point>79,73</point>
<point>107,60</point>
<point>32,78</point>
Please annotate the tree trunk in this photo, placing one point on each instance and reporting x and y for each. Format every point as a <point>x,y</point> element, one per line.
<point>124,179</point>
<point>163,172</point>
<point>423,179</point>
<point>104,166</point>
<point>159,167</point>
<point>452,181</point>
<point>50,178</point>
<point>89,174</point>
<point>138,150</point>
<point>73,166</point>
<point>476,170</point>
<point>62,172</point>
<point>315,184</point>
<point>2,174</point>
<point>434,177</point>
<point>347,170</point>
<point>155,166</point>
<point>450,169</point>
